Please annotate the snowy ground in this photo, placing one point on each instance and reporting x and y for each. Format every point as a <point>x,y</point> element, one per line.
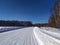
<point>10,28</point>
<point>31,36</point>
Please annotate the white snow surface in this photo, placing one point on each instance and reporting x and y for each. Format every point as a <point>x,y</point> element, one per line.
<point>30,36</point>
<point>7,27</point>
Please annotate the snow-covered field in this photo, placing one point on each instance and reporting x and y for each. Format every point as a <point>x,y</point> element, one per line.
<point>5,29</point>
<point>30,36</point>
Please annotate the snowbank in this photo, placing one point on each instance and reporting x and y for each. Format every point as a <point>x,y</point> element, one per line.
<point>57,30</point>
<point>45,38</point>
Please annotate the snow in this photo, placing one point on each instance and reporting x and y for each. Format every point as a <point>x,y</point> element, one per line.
<point>31,36</point>
<point>51,29</point>
<point>47,39</point>
<point>18,37</point>
<point>5,29</point>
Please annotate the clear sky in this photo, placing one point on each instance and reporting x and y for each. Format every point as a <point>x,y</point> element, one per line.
<point>37,11</point>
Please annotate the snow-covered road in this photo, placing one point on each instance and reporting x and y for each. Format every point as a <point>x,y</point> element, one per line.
<point>30,36</point>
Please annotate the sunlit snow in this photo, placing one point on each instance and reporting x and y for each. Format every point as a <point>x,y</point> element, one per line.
<point>30,36</point>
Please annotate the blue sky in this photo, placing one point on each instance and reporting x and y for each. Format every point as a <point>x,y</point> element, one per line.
<point>37,11</point>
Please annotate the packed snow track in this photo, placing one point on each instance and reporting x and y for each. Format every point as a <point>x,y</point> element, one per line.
<point>30,36</point>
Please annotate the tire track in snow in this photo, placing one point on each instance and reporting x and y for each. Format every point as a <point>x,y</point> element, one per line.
<point>18,37</point>
<point>52,35</point>
<point>40,42</point>
<point>44,38</point>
